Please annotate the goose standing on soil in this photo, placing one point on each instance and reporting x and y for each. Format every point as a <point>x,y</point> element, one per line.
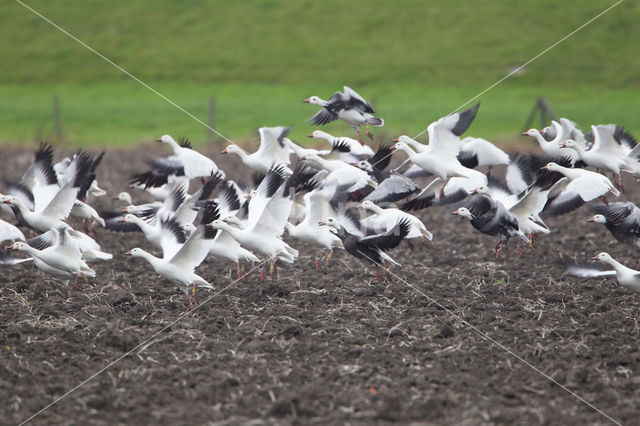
<point>627,277</point>
<point>347,106</point>
<point>372,247</point>
<point>194,164</point>
<point>273,151</point>
<point>579,186</point>
<point>179,268</point>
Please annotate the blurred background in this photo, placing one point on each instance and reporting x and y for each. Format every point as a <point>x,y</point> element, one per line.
<point>242,65</point>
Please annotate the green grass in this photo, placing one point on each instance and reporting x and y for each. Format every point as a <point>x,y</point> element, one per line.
<point>416,60</point>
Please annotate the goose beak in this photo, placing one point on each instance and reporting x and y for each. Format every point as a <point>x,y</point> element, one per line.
<point>591,219</point>
<point>563,145</point>
<point>158,139</point>
<point>122,219</point>
<point>224,151</point>
<point>544,167</point>
<point>11,247</point>
<point>304,157</point>
<point>393,148</point>
<point>127,253</point>
<point>596,258</point>
<point>474,191</point>
<point>310,135</point>
<point>322,222</point>
<point>525,133</point>
<point>455,212</point>
<point>306,101</point>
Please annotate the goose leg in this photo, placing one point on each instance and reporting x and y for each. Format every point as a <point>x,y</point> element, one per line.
<point>378,276</point>
<point>368,132</point>
<point>604,200</point>
<point>329,257</point>
<point>519,249</point>
<point>498,249</point>
<point>410,244</point>
<point>273,273</point>
<point>319,260</point>
<point>263,271</point>
<point>618,182</point>
<point>489,170</point>
<point>442,196</point>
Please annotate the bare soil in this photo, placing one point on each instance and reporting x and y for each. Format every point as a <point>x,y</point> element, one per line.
<point>324,347</point>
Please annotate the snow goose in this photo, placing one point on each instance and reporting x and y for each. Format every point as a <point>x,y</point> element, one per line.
<point>193,163</point>
<point>9,232</point>
<point>268,211</point>
<point>273,151</point>
<point>58,274</point>
<point>347,106</point>
<point>552,148</point>
<point>309,230</point>
<point>89,249</point>
<point>165,234</point>
<point>356,182</point>
<point>372,247</point>
<point>392,186</point>
<point>610,151</point>
<point>481,153</point>
<point>179,267</point>
<point>62,256</point>
<point>576,188</point>
<point>52,213</point>
<point>384,219</point>
<point>442,163</point>
<point>224,246</point>
<point>627,277</point>
<point>622,219</point>
<point>492,218</point>
<point>344,148</point>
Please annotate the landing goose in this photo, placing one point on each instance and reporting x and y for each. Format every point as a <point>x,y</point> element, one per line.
<point>552,148</point>
<point>89,249</point>
<point>347,106</point>
<point>372,247</point>
<point>179,267</point>
<point>268,211</point>
<point>52,213</point>
<point>273,151</point>
<point>384,219</point>
<point>309,230</point>
<point>344,148</point>
<point>627,277</point>
<point>579,186</point>
<point>478,152</point>
<point>491,218</point>
<point>194,164</point>
<point>621,218</point>
<point>392,186</point>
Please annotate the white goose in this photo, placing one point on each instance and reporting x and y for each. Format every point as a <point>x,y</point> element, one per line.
<point>179,267</point>
<point>50,212</point>
<point>627,277</point>
<point>309,230</point>
<point>578,187</point>
<point>344,148</point>
<point>269,209</point>
<point>273,151</point>
<point>552,148</point>
<point>385,219</point>
<point>194,164</point>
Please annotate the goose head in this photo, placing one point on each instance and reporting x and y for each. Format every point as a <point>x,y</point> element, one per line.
<point>165,139</point>
<point>597,218</point>
<point>531,132</point>
<point>602,257</point>
<point>552,167</point>
<point>188,228</point>
<point>232,149</point>
<point>364,165</point>
<point>480,190</point>
<point>18,245</point>
<point>129,218</point>
<point>570,143</point>
<point>464,212</point>
<point>124,196</point>
<point>314,100</point>
<point>367,205</point>
<point>135,252</point>
<point>400,146</point>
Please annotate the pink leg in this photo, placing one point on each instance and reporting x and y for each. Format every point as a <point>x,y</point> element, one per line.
<point>498,249</point>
